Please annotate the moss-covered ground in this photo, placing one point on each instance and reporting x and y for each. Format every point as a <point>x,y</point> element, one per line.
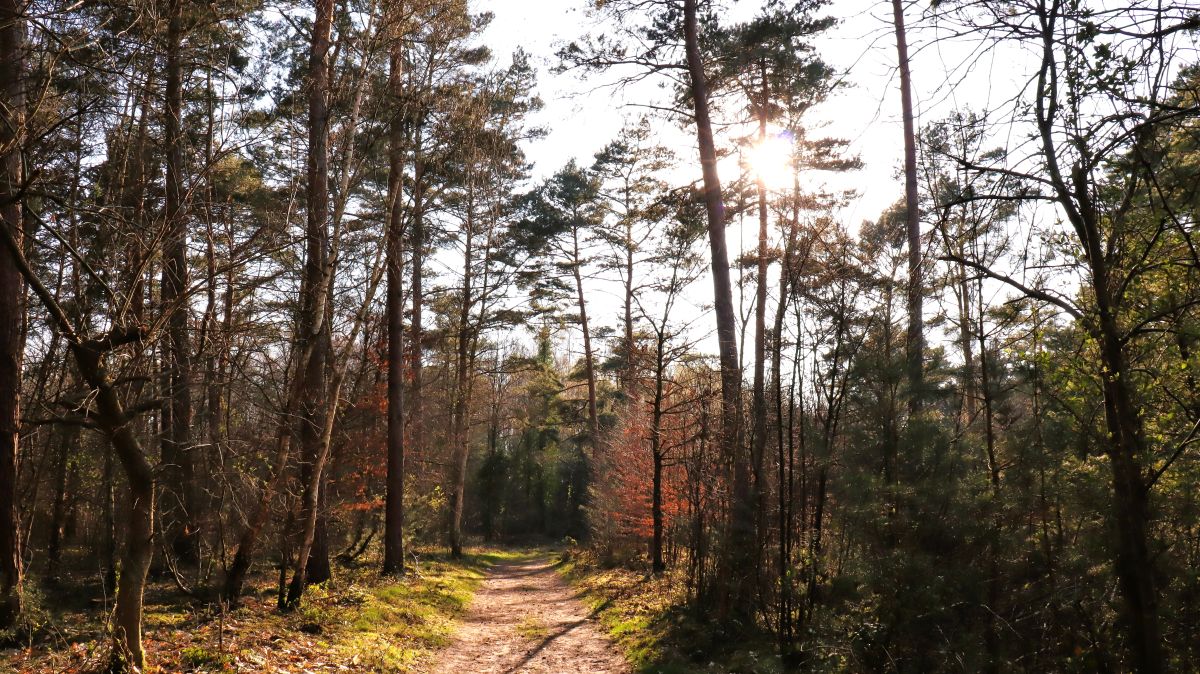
<point>359,622</point>
<point>649,617</point>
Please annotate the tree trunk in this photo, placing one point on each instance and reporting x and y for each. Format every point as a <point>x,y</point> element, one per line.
<point>314,325</point>
<point>740,559</point>
<point>629,370</point>
<point>12,301</point>
<point>310,516</point>
<point>393,536</point>
<point>758,412</point>
<point>1133,563</point>
<point>459,413</point>
<point>416,327</point>
<point>656,501</point>
<point>784,461</point>
<point>912,222</point>
<point>116,425</point>
<point>58,517</point>
<point>589,364</point>
<point>179,503</point>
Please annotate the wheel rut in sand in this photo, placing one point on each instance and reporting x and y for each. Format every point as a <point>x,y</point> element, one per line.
<point>526,618</point>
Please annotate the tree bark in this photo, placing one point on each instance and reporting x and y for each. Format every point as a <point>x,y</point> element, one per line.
<point>737,604</point>
<point>12,300</point>
<point>180,504</point>
<point>912,222</point>
<point>460,411</point>
<point>629,365</point>
<point>393,536</point>
<point>416,324</point>
<point>314,325</point>
<point>656,500</point>
<point>758,412</point>
<point>116,425</point>
<point>589,363</point>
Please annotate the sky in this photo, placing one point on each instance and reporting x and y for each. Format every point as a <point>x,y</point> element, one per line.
<point>581,116</point>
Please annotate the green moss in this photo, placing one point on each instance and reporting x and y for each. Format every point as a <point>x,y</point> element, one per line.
<point>198,657</point>
<point>398,623</point>
<point>649,618</point>
<point>533,629</point>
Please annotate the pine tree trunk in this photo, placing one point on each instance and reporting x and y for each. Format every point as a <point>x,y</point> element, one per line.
<point>180,503</point>
<point>416,327</point>
<point>314,324</point>
<point>12,301</point>
<point>758,411</point>
<point>589,363</point>
<point>460,412</point>
<point>912,223</point>
<point>656,500</point>
<point>737,604</point>
<point>393,536</point>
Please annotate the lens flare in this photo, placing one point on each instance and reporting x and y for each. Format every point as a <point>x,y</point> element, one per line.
<point>771,160</point>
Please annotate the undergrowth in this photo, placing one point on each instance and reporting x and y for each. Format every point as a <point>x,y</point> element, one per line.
<point>649,617</point>
<point>359,622</point>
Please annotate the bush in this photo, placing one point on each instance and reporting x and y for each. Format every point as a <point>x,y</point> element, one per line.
<point>33,623</point>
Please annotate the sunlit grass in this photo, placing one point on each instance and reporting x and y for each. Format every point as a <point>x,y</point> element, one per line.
<point>360,621</point>
<point>532,628</point>
<point>648,618</point>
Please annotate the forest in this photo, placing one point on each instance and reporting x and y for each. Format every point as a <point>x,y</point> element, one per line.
<point>513,336</point>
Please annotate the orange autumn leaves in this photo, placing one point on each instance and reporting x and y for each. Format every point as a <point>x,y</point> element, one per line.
<point>622,506</point>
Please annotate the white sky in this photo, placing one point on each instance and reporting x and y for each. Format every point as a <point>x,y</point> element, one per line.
<point>582,116</point>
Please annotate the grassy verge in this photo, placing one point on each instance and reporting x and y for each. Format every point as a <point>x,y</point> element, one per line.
<point>649,618</point>
<point>360,622</point>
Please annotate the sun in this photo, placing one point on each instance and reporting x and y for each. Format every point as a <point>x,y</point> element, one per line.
<point>771,159</point>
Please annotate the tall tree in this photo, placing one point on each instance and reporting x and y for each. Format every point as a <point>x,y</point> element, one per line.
<point>632,188</point>
<point>566,214</point>
<point>12,298</point>
<point>485,165</point>
<point>393,535</point>
<point>312,561</point>
<point>741,553</point>
<point>912,219</point>
<point>665,37</point>
<point>1096,145</point>
<point>180,503</point>
<point>771,63</point>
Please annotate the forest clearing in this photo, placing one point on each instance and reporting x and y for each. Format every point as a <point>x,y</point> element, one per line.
<point>610,336</point>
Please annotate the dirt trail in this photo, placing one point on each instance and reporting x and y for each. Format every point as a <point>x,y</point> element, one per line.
<point>525,618</point>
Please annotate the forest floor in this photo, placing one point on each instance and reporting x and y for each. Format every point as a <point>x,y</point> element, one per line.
<point>360,622</point>
<point>526,618</point>
<point>650,620</point>
<point>496,611</point>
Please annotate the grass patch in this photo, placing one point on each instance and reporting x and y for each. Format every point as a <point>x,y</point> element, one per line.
<point>532,628</point>
<point>649,618</point>
<point>360,621</point>
<point>397,624</point>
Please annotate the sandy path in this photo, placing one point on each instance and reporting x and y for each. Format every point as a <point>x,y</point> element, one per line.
<point>525,618</point>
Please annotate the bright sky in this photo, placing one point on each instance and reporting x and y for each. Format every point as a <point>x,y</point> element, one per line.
<point>581,116</point>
